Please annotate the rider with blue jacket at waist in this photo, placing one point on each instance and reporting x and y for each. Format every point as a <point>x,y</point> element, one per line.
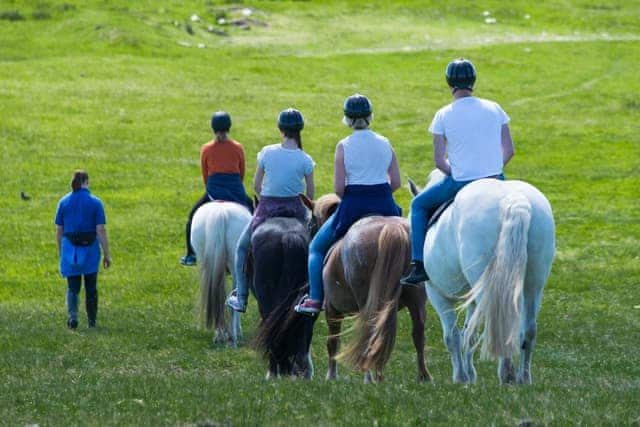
<point>366,173</point>
<point>222,165</point>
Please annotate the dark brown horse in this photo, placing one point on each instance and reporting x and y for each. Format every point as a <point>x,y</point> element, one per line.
<point>278,267</point>
<point>362,279</point>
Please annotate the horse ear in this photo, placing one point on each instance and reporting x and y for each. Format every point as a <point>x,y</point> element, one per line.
<point>413,187</point>
<point>306,201</point>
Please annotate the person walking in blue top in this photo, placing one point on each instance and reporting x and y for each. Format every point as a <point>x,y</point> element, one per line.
<point>80,232</point>
<point>284,171</point>
<point>366,174</point>
<point>471,141</point>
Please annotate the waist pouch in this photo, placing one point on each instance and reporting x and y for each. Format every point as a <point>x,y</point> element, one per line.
<point>81,238</point>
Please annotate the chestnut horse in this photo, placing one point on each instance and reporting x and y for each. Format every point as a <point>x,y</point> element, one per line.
<point>362,278</point>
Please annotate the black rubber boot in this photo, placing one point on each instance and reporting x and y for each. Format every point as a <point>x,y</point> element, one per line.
<point>72,324</point>
<point>92,309</point>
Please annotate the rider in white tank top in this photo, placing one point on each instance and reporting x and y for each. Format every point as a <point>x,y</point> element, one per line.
<point>367,157</point>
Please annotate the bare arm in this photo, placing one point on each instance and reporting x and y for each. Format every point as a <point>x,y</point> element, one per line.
<point>104,242</point>
<point>339,173</point>
<point>257,180</point>
<point>440,154</point>
<point>311,187</point>
<point>58,237</point>
<point>507,145</point>
<point>394,173</point>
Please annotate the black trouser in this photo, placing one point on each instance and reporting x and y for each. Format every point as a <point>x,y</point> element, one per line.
<point>91,296</point>
<point>204,199</point>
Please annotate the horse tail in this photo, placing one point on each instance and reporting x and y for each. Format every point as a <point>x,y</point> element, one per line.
<point>498,291</point>
<point>375,325</point>
<point>284,334</point>
<point>213,272</point>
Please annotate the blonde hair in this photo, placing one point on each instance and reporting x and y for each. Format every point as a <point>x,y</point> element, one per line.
<point>359,123</point>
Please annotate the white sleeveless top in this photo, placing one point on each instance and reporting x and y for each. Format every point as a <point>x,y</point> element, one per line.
<point>367,157</point>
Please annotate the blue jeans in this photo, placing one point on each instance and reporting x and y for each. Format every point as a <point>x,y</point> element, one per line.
<point>242,291</point>
<point>318,249</point>
<point>425,204</point>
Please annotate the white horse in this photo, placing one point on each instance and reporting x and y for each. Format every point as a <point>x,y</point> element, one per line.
<point>215,231</point>
<point>493,247</point>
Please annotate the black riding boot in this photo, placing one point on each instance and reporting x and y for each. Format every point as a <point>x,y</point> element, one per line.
<point>417,275</point>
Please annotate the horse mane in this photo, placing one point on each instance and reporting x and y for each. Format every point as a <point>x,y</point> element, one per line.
<point>325,206</point>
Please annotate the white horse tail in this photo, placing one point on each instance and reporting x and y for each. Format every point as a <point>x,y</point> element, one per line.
<point>498,291</point>
<point>213,272</point>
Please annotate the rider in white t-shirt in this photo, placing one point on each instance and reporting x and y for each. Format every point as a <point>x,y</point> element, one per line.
<point>284,171</point>
<point>471,140</point>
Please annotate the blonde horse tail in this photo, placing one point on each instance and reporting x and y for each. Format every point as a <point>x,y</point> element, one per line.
<point>498,291</point>
<point>213,273</point>
<point>376,324</point>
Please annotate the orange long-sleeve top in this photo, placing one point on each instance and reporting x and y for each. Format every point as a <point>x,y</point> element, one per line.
<point>221,157</point>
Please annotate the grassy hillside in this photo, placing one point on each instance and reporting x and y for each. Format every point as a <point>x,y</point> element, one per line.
<point>126,89</point>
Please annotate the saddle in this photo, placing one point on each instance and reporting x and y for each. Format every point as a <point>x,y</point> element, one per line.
<point>438,212</point>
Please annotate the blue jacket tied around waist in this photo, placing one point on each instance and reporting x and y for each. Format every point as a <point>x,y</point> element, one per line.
<point>227,186</point>
<point>363,200</point>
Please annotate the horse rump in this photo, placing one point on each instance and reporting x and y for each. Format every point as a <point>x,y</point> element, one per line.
<point>280,252</point>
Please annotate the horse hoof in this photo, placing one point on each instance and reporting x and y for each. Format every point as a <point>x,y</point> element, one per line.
<point>425,378</point>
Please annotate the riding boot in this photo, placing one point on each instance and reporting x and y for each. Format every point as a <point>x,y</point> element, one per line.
<point>416,276</point>
<point>92,308</point>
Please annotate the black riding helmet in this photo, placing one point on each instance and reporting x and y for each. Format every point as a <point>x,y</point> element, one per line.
<point>221,121</point>
<point>461,74</point>
<point>357,107</point>
<point>290,119</point>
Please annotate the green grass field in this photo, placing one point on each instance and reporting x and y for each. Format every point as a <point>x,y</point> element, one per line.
<point>125,90</point>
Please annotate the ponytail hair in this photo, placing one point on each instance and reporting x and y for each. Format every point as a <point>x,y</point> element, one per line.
<point>293,134</point>
<point>79,177</point>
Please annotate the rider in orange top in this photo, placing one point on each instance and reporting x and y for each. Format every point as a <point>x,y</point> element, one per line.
<point>222,163</point>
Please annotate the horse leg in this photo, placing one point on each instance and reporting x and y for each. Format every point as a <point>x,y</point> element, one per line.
<point>236,326</point>
<point>334,325</point>
<point>272,373</point>
<point>451,334</point>
<point>506,371</point>
<point>417,311</point>
<point>303,366</point>
<point>308,373</point>
<point>236,332</point>
<point>529,330</point>
<point>471,341</point>
<point>285,368</point>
